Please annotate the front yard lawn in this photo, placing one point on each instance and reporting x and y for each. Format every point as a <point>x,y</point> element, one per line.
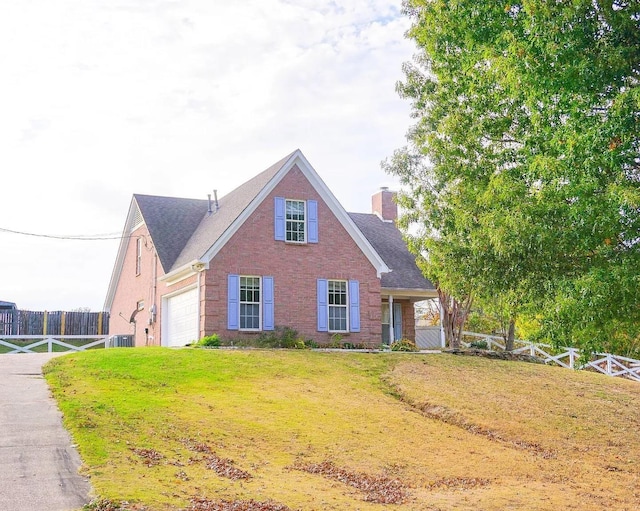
<point>193,429</point>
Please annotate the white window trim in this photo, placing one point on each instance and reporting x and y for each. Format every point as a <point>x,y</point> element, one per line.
<point>304,222</point>
<point>240,302</point>
<point>138,256</point>
<point>345,306</point>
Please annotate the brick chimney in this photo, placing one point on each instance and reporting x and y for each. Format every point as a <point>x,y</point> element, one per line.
<point>384,205</point>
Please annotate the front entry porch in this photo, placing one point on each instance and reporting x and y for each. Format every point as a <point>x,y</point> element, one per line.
<point>398,314</point>
<point>392,322</point>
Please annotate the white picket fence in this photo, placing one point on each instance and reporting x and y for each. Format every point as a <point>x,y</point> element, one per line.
<point>21,344</point>
<point>570,358</point>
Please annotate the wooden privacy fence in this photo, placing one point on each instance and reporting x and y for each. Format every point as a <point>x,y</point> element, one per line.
<point>22,322</point>
<point>570,358</point>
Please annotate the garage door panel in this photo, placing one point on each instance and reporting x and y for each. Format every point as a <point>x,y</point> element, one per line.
<point>182,318</point>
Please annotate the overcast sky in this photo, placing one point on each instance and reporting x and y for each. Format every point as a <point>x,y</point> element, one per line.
<point>102,99</point>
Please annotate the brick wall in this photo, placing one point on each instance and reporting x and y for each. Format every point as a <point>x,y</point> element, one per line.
<point>408,321</point>
<point>384,205</point>
<point>132,288</point>
<point>252,250</point>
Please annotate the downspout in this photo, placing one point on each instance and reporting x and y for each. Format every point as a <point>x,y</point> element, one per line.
<point>199,268</point>
<point>154,293</point>
<point>199,276</point>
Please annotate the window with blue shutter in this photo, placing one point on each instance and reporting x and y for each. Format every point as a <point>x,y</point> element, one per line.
<point>312,221</point>
<point>354,306</point>
<point>250,303</point>
<point>295,221</point>
<point>268,322</point>
<point>233,311</point>
<point>338,303</point>
<point>323,319</point>
<point>279,208</point>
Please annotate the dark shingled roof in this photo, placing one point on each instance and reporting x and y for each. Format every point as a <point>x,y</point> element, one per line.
<point>171,222</point>
<point>230,207</point>
<point>387,240</point>
<point>182,230</point>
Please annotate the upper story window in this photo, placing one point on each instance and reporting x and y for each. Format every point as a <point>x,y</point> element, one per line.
<point>138,256</point>
<point>295,221</point>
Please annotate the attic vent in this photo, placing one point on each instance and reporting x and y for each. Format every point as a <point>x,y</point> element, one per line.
<point>137,219</point>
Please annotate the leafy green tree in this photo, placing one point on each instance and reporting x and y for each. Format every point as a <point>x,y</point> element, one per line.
<point>522,171</point>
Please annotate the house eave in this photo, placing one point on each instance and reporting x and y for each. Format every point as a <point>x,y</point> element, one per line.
<point>184,272</point>
<point>122,248</point>
<point>413,294</point>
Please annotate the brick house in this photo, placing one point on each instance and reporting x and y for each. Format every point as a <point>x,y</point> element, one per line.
<point>278,251</point>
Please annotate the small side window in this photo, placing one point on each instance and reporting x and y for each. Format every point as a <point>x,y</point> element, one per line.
<point>138,256</point>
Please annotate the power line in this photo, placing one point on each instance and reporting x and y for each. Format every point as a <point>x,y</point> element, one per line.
<point>78,237</point>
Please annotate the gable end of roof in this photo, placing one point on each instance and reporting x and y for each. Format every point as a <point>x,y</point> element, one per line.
<point>280,170</point>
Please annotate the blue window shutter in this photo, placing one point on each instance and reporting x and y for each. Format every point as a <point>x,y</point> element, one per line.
<point>279,208</point>
<point>323,311</point>
<point>312,221</point>
<point>233,302</point>
<point>354,306</point>
<point>267,304</point>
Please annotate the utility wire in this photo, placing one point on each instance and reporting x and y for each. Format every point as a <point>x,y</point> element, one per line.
<point>79,237</point>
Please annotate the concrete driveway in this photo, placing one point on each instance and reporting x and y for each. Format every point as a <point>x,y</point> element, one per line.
<point>38,464</point>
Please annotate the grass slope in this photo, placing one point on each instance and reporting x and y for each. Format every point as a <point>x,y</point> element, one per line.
<point>159,427</point>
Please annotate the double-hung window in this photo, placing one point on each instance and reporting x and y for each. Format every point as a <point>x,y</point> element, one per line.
<point>250,303</point>
<point>295,220</point>
<point>337,303</point>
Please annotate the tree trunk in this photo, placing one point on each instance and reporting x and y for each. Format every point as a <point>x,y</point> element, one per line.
<point>454,316</point>
<point>510,335</point>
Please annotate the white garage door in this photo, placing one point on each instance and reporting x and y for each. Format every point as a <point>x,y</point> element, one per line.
<point>182,318</point>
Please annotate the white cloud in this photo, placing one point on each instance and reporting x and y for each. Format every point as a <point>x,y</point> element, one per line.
<point>106,98</point>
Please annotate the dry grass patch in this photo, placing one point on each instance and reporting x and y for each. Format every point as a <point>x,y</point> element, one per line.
<point>202,504</point>
<point>583,425</point>
<point>459,483</point>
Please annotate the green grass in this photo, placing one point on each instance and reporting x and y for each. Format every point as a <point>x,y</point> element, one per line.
<point>457,432</point>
